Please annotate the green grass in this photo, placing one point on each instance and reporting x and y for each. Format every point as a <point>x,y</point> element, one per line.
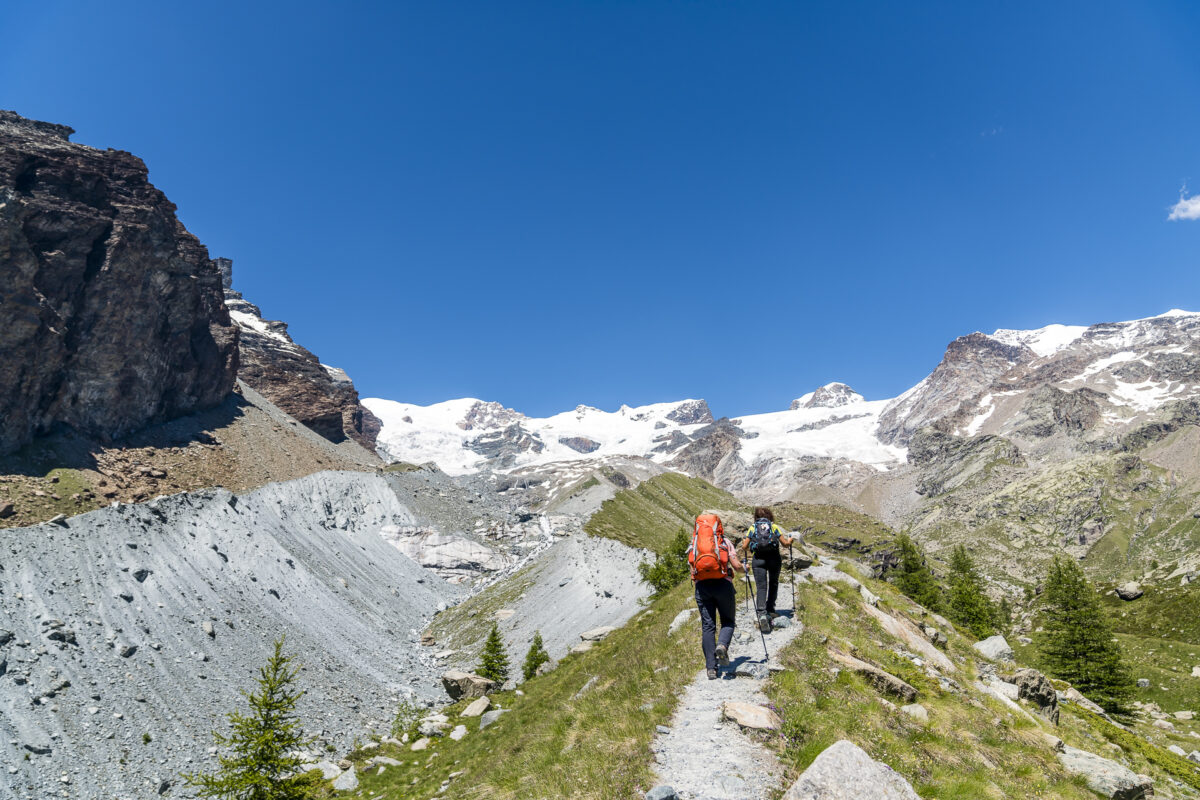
<point>971,748</point>
<point>835,528</point>
<point>650,515</point>
<point>464,627</point>
<point>551,745</point>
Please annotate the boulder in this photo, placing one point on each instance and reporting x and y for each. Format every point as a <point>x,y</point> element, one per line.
<point>912,637</point>
<point>329,771</point>
<point>1075,696</point>
<point>1185,716</point>
<point>843,771</point>
<point>1194,756</point>
<point>419,745</point>
<point>458,733</point>
<point>749,715</point>
<point>1105,777</point>
<point>1196,672</point>
<point>882,681</point>
<point>676,624</point>
<point>1177,750</point>
<point>994,647</point>
<point>936,637</point>
<point>477,707</point>
<point>916,711</point>
<point>460,684</point>
<point>596,634</point>
<point>1129,591</point>
<point>1036,688</point>
<point>347,781</point>
<point>1143,683</point>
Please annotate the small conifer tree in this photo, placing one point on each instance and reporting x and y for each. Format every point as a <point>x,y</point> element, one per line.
<point>669,568</point>
<point>493,662</point>
<point>536,656</point>
<point>1078,645</point>
<point>262,765</point>
<point>968,605</point>
<point>914,578</point>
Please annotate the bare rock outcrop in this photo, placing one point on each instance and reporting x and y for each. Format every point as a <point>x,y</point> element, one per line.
<point>111,316</point>
<point>293,378</point>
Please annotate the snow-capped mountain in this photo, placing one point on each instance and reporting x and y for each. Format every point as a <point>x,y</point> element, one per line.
<point>1099,380</point>
<point>467,435</point>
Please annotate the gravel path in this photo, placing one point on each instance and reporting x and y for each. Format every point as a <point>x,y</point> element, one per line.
<point>704,758</point>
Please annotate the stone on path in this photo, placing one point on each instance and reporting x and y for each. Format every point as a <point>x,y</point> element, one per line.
<point>680,620</point>
<point>994,647</point>
<point>477,707</point>
<point>882,681</point>
<point>459,684</point>
<point>662,792</point>
<point>347,781</point>
<point>1106,777</point>
<point>748,715</point>
<point>843,771</point>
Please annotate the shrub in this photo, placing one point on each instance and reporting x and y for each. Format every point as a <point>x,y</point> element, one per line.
<point>493,662</point>
<point>669,568</point>
<point>536,656</point>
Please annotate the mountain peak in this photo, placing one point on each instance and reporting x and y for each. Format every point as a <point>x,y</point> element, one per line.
<point>831,395</point>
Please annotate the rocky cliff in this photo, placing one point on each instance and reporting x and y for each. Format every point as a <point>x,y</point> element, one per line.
<point>111,315</point>
<point>320,396</point>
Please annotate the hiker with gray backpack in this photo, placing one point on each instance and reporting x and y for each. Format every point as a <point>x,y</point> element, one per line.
<point>762,548</point>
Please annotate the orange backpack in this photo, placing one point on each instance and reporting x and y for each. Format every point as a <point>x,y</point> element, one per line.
<point>707,557</point>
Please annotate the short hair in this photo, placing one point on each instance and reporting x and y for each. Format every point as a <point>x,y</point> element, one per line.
<point>762,512</point>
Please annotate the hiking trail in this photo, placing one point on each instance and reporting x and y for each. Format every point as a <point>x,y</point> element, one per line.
<point>705,758</point>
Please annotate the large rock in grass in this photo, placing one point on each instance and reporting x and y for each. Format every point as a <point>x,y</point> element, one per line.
<point>1129,591</point>
<point>459,684</point>
<point>994,647</point>
<point>1036,688</point>
<point>882,681</point>
<point>1105,777</point>
<point>843,771</point>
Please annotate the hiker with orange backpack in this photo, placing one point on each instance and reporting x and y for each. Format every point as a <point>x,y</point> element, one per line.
<point>761,546</point>
<point>713,560</point>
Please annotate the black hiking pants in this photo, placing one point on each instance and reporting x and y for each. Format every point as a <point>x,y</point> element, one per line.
<point>766,567</point>
<point>715,597</point>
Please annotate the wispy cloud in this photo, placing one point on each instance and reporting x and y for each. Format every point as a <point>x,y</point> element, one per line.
<point>1187,207</point>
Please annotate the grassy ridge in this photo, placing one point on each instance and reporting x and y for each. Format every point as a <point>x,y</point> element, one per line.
<point>650,515</point>
<point>555,743</point>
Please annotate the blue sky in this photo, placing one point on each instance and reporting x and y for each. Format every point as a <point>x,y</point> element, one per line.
<point>554,203</point>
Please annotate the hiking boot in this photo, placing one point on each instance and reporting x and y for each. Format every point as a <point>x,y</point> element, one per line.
<point>764,623</point>
<point>722,655</point>
<point>712,674</point>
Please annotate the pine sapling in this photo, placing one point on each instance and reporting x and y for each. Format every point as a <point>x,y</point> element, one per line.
<point>493,662</point>
<point>262,764</point>
<point>536,656</point>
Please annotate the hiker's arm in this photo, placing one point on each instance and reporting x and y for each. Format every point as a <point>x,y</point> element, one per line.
<point>785,539</point>
<point>735,562</point>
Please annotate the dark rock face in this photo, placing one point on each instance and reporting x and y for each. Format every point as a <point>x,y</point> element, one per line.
<point>710,448</point>
<point>1051,409</point>
<point>321,397</point>
<point>504,445</point>
<point>971,364</point>
<point>580,444</point>
<point>833,395</point>
<point>111,316</point>
<point>691,413</point>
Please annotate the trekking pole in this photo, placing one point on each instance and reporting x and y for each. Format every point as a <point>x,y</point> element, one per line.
<point>792,567</point>
<point>761,635</point>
